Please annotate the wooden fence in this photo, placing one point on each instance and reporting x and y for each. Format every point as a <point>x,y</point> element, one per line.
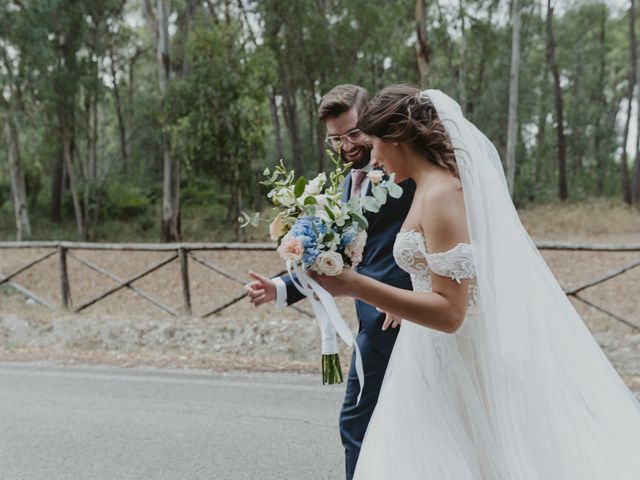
<point>186,252</point>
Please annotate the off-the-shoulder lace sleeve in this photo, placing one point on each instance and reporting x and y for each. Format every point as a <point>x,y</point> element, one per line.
<point>456,263</point>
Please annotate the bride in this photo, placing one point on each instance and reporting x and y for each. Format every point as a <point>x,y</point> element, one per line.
<point>493,375</point>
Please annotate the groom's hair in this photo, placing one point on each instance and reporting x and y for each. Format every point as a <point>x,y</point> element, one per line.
<point>342,98</point>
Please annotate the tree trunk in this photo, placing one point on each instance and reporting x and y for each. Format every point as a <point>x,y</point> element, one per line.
<point>67,145</point>
<point>634,194</point>
<point>635,181</point>
<point>293,125</point>
<point>275,118</point>
<point>18,191</point>
<point>57,186</point>
<point>423,52</point>
<point>602,100</point>
<point>159,26</point>
<point>94,153</point>
<point>120,117</point>
<point>624,167</point>
<point>512,127</point>
<point>540,142</point>
<point>462,70</point>
<point>562,146</point>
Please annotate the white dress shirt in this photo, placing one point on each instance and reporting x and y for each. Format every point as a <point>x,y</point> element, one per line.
<point>281,287</point>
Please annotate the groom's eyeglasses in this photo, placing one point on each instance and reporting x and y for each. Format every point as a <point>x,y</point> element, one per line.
<point>352,136</point>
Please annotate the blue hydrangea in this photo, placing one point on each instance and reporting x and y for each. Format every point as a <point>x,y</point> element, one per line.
<point>348,235</point>
<point>310,227</point>
<point>307,241</point>
<point>309,256</point>
<point>307,230</point>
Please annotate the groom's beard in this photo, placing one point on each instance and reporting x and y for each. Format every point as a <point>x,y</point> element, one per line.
<point>360,161</point>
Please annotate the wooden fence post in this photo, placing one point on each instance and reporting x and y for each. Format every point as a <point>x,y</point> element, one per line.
<point>65,289</point>
<point>184,273</point>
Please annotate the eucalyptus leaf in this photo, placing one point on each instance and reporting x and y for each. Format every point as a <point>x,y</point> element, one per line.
<point>370,204</point>
<point>301,183</point>
<point>360,219</point>
<point>395,190</point>
<point>380,194</point>
<point>329,213</point>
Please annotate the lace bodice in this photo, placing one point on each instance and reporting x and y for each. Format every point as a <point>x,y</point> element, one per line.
<point>410,253</point>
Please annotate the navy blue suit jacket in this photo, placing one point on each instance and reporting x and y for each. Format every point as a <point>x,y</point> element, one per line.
<point>377,262</point>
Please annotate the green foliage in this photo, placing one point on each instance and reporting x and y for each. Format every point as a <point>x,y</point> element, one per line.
<point>126,201</point>
<point>245,89</point>
<point>219,115</point>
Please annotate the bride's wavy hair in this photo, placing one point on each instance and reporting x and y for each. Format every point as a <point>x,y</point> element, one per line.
<point>399,113</point>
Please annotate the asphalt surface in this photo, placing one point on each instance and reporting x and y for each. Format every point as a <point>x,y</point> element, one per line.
<point>107,423</point>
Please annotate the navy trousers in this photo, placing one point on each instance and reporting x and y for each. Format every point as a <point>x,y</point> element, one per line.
<point>354,419</point>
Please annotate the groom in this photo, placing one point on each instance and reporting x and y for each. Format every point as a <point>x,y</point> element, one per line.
<point>339,111</point>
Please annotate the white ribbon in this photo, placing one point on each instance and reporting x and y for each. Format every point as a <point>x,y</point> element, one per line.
<point>329,318</point>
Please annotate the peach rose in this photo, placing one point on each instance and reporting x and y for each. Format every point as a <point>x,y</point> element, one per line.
<point>277,227</point>
<point>291,248</point>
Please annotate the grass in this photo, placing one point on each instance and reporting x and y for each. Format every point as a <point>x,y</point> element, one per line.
<point>592,219</point>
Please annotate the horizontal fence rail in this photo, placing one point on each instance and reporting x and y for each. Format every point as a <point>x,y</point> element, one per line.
<point>186,252</point>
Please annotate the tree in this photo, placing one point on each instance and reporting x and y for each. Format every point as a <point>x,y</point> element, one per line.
<point>563,190</point>
<point>10,106</point>
<point>423,51</point>
<point>512,125</point>
<point>633,65</point>
<point>158,22</point>
<point>219,114</point>
<point>18,191</point>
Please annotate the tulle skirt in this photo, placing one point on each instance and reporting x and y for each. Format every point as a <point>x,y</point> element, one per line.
<point>436,420</point>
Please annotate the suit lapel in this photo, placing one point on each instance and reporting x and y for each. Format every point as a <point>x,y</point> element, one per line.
<point>346,188</point>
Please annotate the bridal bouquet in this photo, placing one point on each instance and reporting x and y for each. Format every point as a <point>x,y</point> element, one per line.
<point>316,230</point>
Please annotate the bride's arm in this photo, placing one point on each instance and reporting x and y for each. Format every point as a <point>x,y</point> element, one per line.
<point>444,224</point>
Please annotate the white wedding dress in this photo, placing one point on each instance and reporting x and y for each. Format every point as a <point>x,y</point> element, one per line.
<point>521,391</point>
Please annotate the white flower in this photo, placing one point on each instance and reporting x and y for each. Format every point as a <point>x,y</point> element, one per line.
<point>314,187</point>
<point>322,200</point>
<point>329,263</point>
<point>375,176</point>
<point>284,197</point>
<point>332,244</point>
<point>356,248</point>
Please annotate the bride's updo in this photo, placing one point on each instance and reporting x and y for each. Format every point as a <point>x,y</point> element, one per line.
<point>400,114</point>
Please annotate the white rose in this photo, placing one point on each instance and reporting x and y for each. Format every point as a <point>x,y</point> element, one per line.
<point>329,263</point>
<point>285,197</point>
<point>322,200</point>
<point>314,187</point>
<point>375,176</point>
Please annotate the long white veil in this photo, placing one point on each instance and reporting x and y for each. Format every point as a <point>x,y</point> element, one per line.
<point>557,407</point>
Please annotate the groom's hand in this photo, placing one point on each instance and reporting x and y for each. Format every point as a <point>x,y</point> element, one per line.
<point>261,289</point>
<point>390,320</point>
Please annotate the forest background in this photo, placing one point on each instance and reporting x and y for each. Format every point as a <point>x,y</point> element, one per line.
<point>152,120</point>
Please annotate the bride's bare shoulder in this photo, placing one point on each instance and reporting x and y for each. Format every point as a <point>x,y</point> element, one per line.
<point>443,216</point>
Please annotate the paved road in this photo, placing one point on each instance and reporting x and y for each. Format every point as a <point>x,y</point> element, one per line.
<point>104,423</point>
